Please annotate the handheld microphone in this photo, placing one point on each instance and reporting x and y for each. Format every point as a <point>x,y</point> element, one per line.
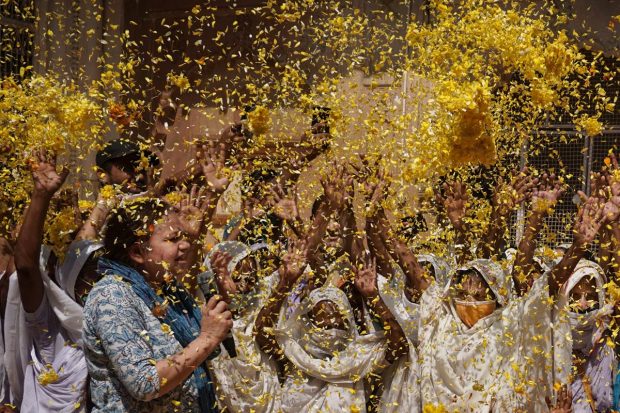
<point>205,280</point>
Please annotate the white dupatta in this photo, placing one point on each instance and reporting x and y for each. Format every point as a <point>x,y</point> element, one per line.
<point>17,342</point>
<point>22,364</point>
<point>322,382</point>
<point>402,379</point>
<point>500,364</point>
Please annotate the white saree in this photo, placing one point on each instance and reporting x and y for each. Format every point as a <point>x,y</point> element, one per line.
<point>501,363</point>
<point>62,341</point>
<point>585,333</point>
<point>249,381</point>
<point>329,365</point>
<point>402,379</point>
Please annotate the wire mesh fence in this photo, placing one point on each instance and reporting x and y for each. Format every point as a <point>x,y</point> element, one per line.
<point>17,27</point>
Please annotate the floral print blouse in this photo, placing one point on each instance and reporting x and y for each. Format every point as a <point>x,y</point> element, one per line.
<point>122,341</point>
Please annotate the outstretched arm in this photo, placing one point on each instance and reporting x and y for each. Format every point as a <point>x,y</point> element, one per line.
<point>418,278</point>
<point>212,164</point>
<point>334,188</point>
<point>544,199</point>
<point>91,228</point>
<point>505,199</point>
<point>377,225</point>
<point>366,284</point>
<point>293,264</point>
<point>454,204</point>
<point>589,220</point>
<point>284,205</point>
<point>28,247</point>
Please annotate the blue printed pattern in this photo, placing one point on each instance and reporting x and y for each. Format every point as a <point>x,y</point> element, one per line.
<point>122,340</point>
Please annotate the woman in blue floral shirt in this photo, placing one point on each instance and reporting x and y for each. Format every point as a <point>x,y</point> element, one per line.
<point>145,340</point>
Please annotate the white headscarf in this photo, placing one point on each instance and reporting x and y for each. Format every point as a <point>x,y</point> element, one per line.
<point>248,382</point>
<point>393,294</point>
<point>62,298</point>
<point>325,382</point>
<point>75,258</point>
<point>584,332</point>
<point>440,267</point>
<point>501,363</point>
<point>541,257</point>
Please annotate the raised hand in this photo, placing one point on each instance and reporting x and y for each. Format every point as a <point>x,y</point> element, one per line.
<point>225,284</point>
<point>365,170</point>
<point>250,208</point>
<point>366,278</point>
<point>47,180</point>
<point>212,164</point>
<point>589,220</point>
<point>609,188</point>
<point>611,209</point>
<point>509,196</point>
<point>547,193</point>
<point>191,210</point>
<point>454,202</point>
<point>564,402</point>
<point>334,187</point>
<point>377,187</point>
<point>284,205</point>
<point>293,263</point>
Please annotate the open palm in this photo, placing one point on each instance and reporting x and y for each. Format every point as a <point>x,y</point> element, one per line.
<point>46,179</point>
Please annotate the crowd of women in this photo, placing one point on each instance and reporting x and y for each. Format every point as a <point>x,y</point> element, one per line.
<point>143,312</point>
